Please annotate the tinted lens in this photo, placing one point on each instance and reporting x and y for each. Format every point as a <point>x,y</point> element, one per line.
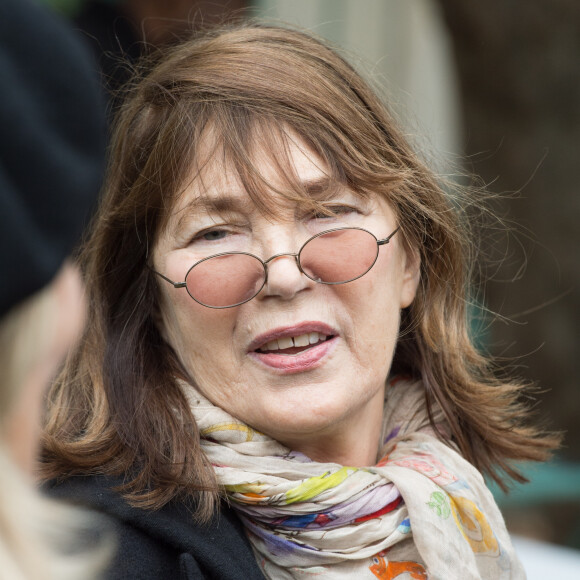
<point>339,256</point>
<point>226,280</point>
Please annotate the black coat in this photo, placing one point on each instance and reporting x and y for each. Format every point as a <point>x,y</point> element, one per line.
<point>167,543</point>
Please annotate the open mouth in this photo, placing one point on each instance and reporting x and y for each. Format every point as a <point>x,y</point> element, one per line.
<point>293,345</point>
<point>288,350</point>
<point>295,349</point>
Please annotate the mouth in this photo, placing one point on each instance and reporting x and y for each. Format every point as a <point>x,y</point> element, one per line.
<point>294,349</point>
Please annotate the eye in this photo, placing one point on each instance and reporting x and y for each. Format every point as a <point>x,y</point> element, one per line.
<point>212,235</point>
<point>220,238</point>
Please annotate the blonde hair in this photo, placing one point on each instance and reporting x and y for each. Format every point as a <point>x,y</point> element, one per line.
<point>117,406</point>
<point>39,537</point>
<point>25,331</point>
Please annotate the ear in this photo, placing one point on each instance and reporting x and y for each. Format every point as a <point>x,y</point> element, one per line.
<point>411,276</point>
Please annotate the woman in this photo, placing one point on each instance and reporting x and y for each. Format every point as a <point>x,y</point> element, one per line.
<point>268,252</point>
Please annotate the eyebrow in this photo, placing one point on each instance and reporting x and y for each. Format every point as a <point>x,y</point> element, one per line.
<point>219,204</point>
<point>316,187</point>
<point>230,203</point>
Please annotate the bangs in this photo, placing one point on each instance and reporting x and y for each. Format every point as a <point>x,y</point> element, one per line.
<point>243,102</point>
<point>257,150</point>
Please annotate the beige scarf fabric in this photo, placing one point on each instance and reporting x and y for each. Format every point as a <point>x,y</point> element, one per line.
<point>421,512</point>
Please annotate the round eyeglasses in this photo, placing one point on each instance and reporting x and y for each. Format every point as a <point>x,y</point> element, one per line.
<point>229,279</point>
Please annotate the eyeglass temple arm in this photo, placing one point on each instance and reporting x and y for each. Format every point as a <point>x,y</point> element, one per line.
<point>175,284</point>
<point>387,240</point>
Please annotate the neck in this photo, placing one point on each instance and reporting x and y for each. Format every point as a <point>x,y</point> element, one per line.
<point>353,442</point>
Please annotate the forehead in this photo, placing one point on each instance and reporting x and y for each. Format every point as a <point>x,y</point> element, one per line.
<point>276,176</point>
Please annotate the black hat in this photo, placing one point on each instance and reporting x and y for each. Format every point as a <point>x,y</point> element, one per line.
<point>52,146</point>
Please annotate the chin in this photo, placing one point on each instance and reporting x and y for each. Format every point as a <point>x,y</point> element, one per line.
<point>301,421</point>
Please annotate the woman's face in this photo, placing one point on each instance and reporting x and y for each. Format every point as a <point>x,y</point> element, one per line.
<point>324,399</point>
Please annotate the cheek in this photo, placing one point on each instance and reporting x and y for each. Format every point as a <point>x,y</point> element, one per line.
<point>381,332</point>
<point>374,309</point>
<point>199,336</point>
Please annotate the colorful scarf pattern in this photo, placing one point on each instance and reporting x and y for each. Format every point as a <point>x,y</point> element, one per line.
<point>421,512</point>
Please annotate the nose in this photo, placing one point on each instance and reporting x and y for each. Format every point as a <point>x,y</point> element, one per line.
<point>284,278</point>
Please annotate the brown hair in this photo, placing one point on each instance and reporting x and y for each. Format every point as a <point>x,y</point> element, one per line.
<point>117,408</point>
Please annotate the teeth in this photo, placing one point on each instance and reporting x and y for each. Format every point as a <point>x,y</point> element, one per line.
<point>302,340</point>
<point>289,341</point>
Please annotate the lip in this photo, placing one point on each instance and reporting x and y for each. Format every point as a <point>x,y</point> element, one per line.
<point>296,363</point>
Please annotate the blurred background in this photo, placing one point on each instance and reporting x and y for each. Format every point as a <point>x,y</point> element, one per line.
<point>490,88</point>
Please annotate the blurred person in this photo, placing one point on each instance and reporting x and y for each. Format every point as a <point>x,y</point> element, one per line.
<point>278,377</point>
<point>51,163</point>
<point>39,539</point>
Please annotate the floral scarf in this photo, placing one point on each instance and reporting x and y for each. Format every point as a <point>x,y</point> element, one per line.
<point>422,511</point>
